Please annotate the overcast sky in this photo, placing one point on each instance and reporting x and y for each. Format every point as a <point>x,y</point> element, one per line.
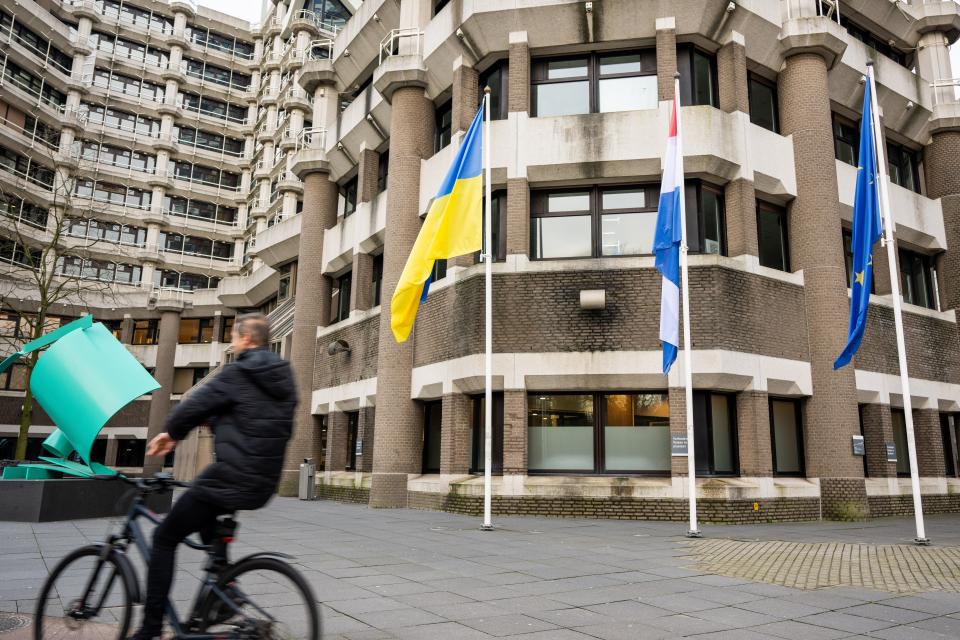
<point>248,10</point>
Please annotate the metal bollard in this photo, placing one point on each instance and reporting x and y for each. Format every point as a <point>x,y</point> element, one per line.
<point>308,480</point>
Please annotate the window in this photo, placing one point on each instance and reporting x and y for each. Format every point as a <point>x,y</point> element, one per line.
<point>383,170</point>
<point>438,5</point>
<point>340,305</point>
<point>130,452</point>
<point>377,279</point>
<point>900,441</point>
<point>478,435</point>
<point>918,277</point>
<point>764,108</point>
<point>599,433</point>
<point>284,289</point>
<point>196,331</point>
<point>949,423</point>
<point>444,125</point>
<point>495,77</point>
<point>846,140</point>
<point>226,333</point>
<point>715,433</point>
<point>593,222</point>
<point>706,226</point>
<point>698,77</point>
<point>902,164</point>
<point>772,236</point>
<point>332,13</point>
<point>499,225</point>
<point>114,326</point>
<point>353,432</point>
<point>786,431</point>
<point>432,420</point>
<point>145,332</point>
<point>878,44</point>
<point>595,83</point>
<point>199,373</point>
<point>848,260</point>
<point>349,193</point>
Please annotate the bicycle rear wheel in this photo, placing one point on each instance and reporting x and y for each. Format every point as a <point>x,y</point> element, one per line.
<point>85,599</point>
<point>265,598</point>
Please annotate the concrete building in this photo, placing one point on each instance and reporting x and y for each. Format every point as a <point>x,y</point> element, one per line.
<point>341,120</point>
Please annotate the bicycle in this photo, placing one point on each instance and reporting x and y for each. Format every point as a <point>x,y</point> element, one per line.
<point>223,608</point>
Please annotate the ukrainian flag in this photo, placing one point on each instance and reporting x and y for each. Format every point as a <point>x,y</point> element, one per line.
<point>453,227</point>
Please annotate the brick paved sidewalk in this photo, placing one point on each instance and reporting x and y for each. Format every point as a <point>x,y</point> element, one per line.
<point>421,575</point>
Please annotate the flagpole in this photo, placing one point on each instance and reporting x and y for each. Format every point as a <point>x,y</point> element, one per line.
<point>694,531</point>
<point>921,538</point>
<point>488,322</point>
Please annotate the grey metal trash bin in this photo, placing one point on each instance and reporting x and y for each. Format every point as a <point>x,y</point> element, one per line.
<point>308,480</point>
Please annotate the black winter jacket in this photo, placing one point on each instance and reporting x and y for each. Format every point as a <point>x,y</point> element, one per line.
<point>249,405</point>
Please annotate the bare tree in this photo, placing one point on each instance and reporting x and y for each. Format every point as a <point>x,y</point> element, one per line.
<point>50,262</point>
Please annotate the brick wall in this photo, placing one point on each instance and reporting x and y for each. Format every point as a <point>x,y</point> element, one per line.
<point>844,499</point>
<point>455,434</point>
<point>514,431</point>
<point>666,62</point>
<point>753,433</point>
<point>877,432</point>
<point>933,352</point>
<point>359,364</point>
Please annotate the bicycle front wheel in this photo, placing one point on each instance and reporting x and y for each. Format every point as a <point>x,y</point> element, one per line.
<point>264,598</point>
<point>85,598</point>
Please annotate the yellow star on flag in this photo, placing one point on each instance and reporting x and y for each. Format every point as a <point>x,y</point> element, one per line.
<point>859,277</point>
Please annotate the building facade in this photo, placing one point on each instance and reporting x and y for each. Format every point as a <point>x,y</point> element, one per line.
<point>309,147</point>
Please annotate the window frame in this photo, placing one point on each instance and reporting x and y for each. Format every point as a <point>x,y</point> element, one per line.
<point>754,78</point>
<point>785,231</point>
<point>478,435</point>
<point>538,75</point>
<point>444,109</point>
<point>686,54</point>
<point>499,109</point>
<point>341,313</point>
<point>850,138</point>
<point>909,258</point>
<point>801,454</point>
<point>710,470</point>
<point>427,441</point>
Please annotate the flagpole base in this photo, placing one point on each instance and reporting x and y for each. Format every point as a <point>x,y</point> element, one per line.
<point>694,533</point>
<point>486,527</point>
<point>922,542</point>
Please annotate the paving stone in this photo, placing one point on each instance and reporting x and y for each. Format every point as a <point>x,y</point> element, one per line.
<point>845,622</point>
<point>886,613</point>
<point>792,630</point>
<point>512,624</point>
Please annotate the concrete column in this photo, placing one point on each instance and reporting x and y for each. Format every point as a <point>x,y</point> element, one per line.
<point>160,402</point>
<point>666,56</point>
<point>518,80</point>
<point>110,459</point>
<point>455,434</point>
<point>929,440</point>
<point>361,288</point>
<point>312,310</point>
<point>816,247</point>
<point>515,432</point>
<point>518,216</point>
<point>732,84</point>
<point>365,429</point>
<point>753,433</point>
<point>740,204</point>
<point>367,171</point>
<point>465,95</point>
<point>398,442</point>
<point>877,432</point>
<point>337,454</point>
<point>126,329</point>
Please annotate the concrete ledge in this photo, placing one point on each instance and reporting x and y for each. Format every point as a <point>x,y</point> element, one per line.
<point>399,71</point>
<point>316,73</point>
<point>814,35</point>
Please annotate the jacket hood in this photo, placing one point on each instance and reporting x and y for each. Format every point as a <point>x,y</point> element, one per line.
<point>268,371</point>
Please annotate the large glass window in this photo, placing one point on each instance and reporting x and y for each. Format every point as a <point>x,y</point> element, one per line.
<point>786,430</point>
<point>706,224</point>
<point>595,83</point>
<point>196,331</point>
<point>340,304</point>
<point>772,236</point>
<point>764,109</point>
<point>698,76</point>
<point>598,433</point>
<point>495,77</point>
<point>903,165</point>
<point>900,441</point>
<point>432,419</point>
<point>846,140</point>
<point>332,13</point>
<point>715,433</point>
<point>146,332</point>
<point>918,277</point>
<point>478,435</point>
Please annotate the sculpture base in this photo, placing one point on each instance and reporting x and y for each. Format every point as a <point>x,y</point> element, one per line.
<point>69,499</point>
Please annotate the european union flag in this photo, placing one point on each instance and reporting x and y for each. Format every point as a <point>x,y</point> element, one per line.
<point>867,229</point>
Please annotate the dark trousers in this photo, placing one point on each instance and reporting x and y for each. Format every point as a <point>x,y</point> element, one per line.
<point>190,514</point>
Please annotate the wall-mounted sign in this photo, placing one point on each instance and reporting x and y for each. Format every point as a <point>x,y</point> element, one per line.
<point>858,447</point>
<point>359,447</point>
<point>891,452</point>
<point>678,445</point>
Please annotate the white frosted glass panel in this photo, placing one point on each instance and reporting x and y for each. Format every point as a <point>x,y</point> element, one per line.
<point>628,94</point>
<point>722,437</point>
<point>637,448</point>
<point>564,98</point>
<point>628,234</point>
<point>562,237</point>
<point>568,448</point>
<point>785,436</point>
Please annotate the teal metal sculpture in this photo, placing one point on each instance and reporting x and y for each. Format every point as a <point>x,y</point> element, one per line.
<point>81,380</point>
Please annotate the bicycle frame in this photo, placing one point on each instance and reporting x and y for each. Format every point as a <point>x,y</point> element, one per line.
<point>132,532</point>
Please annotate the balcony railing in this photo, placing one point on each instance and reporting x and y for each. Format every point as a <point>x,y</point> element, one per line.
<point>945,91</point>
<point>7,35</point>
<point>312,138</point>
<point>46,137</point>
<point>408,42</point>
<point>320,50</point>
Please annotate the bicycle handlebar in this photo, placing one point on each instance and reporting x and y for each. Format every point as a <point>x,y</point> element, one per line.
<point>159,482</point>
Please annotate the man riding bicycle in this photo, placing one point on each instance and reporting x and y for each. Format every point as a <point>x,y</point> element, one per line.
<point>249,405</point>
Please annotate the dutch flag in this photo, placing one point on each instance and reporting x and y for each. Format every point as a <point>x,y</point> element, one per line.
<point>666,243</point>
